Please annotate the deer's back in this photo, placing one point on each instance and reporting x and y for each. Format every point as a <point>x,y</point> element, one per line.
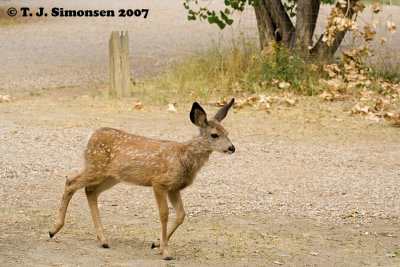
<point>132,158</point>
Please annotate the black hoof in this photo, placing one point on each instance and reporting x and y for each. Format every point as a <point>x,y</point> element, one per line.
<point>51,235</point>
<point>105,246</point>
<point>152,245</point>
<point>168,258</point>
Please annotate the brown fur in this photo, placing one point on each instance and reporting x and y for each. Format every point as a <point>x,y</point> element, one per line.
<point>114,156</point>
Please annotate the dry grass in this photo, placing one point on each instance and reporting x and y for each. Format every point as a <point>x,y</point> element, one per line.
<point>199,76</point>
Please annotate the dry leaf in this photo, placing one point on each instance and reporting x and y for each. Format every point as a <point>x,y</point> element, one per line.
<point>332,70</point>
<point>137,105</point>
<point>222,102</point>
<point>381,104</point>
<point>383,40</point>
<point>343,3</point>
<point>374,22</point>
<point>289,99</point>
<point>376,7</point>
<point>391,26</point>
<point>283,85</point>
<point>262,105</point>
<point>314,67</point>
<point>172,107</point>
<point>329,96</point>
<point>372,117</point>
<point>360,108</point>
<point>369,34</point>
<point>5,98</point>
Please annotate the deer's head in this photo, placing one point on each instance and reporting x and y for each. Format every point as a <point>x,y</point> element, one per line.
<point>212,132</point>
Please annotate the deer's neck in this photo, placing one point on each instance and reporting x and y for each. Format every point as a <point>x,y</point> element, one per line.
<point>194,155</point>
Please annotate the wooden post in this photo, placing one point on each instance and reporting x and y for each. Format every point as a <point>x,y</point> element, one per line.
<point>119,64</point>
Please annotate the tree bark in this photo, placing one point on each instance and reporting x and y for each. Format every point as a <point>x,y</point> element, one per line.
<point>274,24</point>
<point>284,26</point>
<point>306,20</point>
<point>266,27</point>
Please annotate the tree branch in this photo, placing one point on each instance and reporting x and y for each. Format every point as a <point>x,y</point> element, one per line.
<point>321,48</point>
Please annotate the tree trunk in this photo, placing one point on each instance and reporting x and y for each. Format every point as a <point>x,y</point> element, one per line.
<point>266,27</point>
<point>306,20</point>
<point>275,25</point>
<point>284,26</point>
<point>273,22</point>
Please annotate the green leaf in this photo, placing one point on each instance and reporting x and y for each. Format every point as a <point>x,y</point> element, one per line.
<point>390,255</point>
<point>216,20</point>
<point>226,19</point>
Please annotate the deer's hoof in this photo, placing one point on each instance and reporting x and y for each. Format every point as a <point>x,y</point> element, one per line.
<point>105,246</point>
<point>168,258</point>
<point>152,245</point>
<point>51,234</point>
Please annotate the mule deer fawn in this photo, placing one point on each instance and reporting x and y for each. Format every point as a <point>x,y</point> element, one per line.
<point>114,156</point>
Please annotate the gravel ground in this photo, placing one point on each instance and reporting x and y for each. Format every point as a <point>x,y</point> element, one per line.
<point>325,193</point>
<point>350,182</point>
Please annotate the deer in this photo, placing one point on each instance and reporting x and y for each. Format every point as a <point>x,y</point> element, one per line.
<point>113,156</point>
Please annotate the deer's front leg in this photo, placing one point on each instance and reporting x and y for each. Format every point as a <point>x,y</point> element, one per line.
<point>161,197</point>
<point>176,201</point>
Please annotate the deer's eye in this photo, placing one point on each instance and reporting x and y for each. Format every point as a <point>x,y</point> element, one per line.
<point>214,135</point>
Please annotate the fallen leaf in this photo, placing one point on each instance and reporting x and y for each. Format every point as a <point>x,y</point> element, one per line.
<point>172,107</point>
<point>5,98</point>
<point>263,105</point>
<point>283,85</point>
<point>289,99</point>
<point>137,105</point>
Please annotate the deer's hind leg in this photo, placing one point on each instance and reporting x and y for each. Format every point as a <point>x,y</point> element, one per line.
<point>71,186</point>
<point>92,194</point>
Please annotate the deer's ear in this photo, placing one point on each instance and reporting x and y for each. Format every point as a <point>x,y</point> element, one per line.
<point>221,114</point>
<point>198,115</point>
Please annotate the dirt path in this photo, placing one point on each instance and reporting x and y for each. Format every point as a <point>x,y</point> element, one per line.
<point>324,193</point>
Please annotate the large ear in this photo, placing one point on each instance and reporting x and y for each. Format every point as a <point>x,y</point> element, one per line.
<point>221,114</point>
<point>198,115</point>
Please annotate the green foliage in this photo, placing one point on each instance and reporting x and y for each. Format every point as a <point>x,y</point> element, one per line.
<point>278,65</point>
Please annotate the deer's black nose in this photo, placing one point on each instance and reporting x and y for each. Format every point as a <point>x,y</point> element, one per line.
<point>232,149</point>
